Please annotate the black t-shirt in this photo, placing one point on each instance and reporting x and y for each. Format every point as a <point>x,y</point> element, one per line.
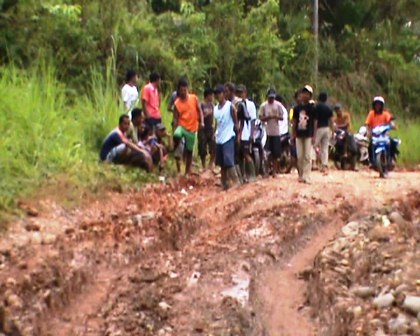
<point>304,115</point>
<point>208,116</point>
<point>111,141</point>
<point>323,114</point>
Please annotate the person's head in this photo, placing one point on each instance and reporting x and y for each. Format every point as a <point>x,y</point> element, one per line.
<point>378,104</point>
<point>182,88</point>
<point>241,91</point>
<point>219,93</point>
<point>160,131</point>
<point>306,94</point>
<point>338,109</point>
<point>208,95</point>
<point>124,123</point>
<point>298,96</point>
<point>131,77</point>
<point>271,96</point>
<point>136,116</point>
<point>154,78</point>
<point>230,90</point>
<point>323,97</point>
<point>146,132</point>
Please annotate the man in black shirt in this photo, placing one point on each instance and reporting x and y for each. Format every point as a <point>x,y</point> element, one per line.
<point>304,129</point>
<point>206,144</point>
<point>323,116</point>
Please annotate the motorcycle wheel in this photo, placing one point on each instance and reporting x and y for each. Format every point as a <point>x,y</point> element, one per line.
<point>381,164</point>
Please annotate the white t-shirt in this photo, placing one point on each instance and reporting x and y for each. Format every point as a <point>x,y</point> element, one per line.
<point>225,125</point>
<point>284,124</point>
<point>130,96</point>
<point>252,110</point>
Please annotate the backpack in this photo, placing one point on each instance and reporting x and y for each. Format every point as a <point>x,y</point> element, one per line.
<point>243,113</point>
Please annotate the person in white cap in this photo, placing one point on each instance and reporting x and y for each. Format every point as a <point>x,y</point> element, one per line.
<point>304,132</point>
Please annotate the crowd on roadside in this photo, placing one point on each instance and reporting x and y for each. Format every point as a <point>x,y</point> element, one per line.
<point>224,123</point>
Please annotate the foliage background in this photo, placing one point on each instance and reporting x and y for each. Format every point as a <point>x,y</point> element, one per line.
<point>63,63</point>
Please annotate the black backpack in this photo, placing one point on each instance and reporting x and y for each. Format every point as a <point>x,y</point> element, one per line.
<point>243,113</point>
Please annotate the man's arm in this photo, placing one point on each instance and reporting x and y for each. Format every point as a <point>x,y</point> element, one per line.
<point>315,129</point>
<point>176,117</point>
<point>234,117</point>
<point>144,100</point>
<point>200,113</point>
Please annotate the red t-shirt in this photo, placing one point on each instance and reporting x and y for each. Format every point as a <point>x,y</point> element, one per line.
<point>150,94</point>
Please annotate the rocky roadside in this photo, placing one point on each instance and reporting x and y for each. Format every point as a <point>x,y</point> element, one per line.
<point>367,281</point>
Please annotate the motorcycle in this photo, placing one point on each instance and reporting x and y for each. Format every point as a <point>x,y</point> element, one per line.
<point>343,155</point>
<point>362,142</point>
<point>384,149</point>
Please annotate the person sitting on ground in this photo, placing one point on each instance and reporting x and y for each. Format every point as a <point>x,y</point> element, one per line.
<point>226,122</point>
<point>247,115</point>
<point>151,101</point>
<point>206,143</point>
<point>187,118</point>
<point>342,119</point>
<point>118,149</point>
<point>129,92</point>
<point>150,142</point>
<point>323,115</point>
<point>136,125</point>
<point>271,112</point>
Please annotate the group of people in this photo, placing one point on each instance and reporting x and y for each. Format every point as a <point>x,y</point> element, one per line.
<point>224,122</point>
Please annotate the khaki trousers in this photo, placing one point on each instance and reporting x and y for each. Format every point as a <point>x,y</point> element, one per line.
<point>304,150</point>
<point>323,136</point>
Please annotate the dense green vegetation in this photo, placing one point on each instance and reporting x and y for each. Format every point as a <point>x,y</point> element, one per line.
<point>63,63</point>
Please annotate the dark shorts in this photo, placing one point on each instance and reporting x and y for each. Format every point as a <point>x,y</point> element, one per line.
<point>225,154</point>
<point>274,146</point>
<point>153,122</point>
<point>245,148</point>
<point>206,144</point>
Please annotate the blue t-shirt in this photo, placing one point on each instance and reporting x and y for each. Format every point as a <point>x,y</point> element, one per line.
<point>112,140</point>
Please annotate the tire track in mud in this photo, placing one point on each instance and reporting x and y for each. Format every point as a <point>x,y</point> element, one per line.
<point>200,262</point>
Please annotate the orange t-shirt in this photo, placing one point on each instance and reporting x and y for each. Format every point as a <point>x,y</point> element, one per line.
<point>188,112</point>
<point>373,119</point>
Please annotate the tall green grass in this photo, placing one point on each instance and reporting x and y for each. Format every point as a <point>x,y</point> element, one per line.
<point>47,132</point>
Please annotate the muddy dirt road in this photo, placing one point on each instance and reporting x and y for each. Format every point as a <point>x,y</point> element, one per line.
<point>183,258</point>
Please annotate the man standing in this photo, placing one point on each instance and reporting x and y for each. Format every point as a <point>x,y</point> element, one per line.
<point>323,116</point>
<point>151,102</point>
<point>304,125</point>
<point>187,118</point>
<point>129,92</point>
<point>226,121</point>
<point>206,134</point>
<point>247,114</point>
<point>271,113</point>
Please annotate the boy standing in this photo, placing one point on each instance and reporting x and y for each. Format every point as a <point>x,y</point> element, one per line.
<point>206,134</point>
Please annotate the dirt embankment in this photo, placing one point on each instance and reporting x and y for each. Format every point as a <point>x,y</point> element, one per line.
<point>180,259</point>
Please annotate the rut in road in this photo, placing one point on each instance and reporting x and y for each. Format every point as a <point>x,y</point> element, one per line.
<point>198,261</point>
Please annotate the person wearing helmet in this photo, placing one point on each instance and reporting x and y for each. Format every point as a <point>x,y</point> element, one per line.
<point>378,115</point>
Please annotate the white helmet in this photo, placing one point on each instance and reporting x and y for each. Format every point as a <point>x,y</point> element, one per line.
<point>378,99</point>
<point>363,130</point>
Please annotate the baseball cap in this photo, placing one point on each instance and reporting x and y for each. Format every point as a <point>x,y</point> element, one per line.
<point>160,127</point>
<point>309,89</point>
<point>271,93</point>
<point>219,89</point>
<point>240,88</point>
